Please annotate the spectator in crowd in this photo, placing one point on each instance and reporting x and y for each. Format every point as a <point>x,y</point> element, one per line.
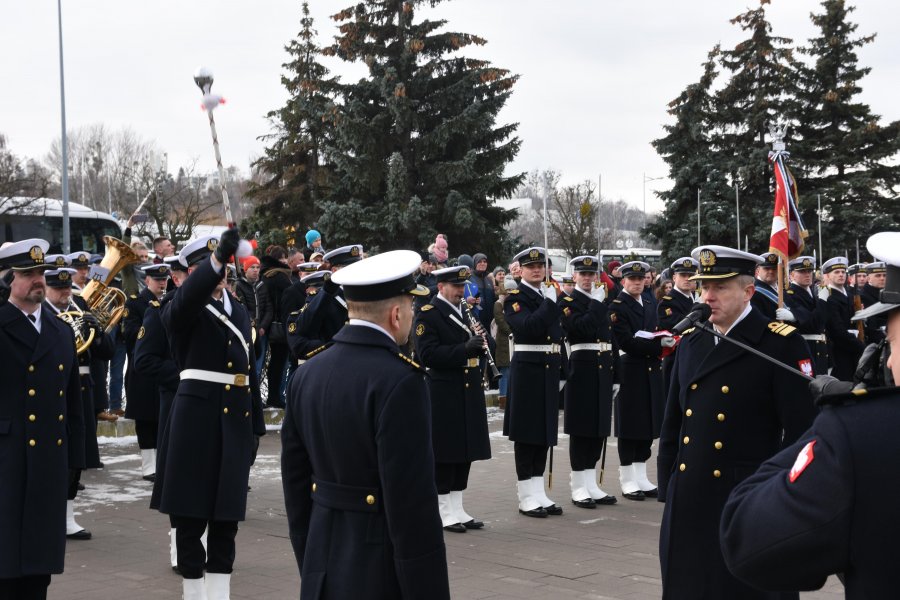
<point>425,279</point>
<point>276,276</point>
<point>498,275</point>
<point>515,269</point>
<point>500,331</point>
<point>664,289</point>
<point>252,293</point>
<point>162,247</point>
<point>440,249</point>
<point>294,258</point>
<point>313,243</point>
<point>485,283</point>
<point>141,250</point>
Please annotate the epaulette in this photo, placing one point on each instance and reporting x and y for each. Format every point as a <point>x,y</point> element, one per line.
<point>568,298</point>
<point>854,396</point>
<point>781,328</point>
<point>687,331</point>
<point>617,301</point>
<point>790,291</point>
<point>409,360</point>
<point>316,351</point>
<point>294,313</point>
<point>133,296</point>
<point>424,308</point>
<point>667,297</point>
<point>513,291</point>
<point>312,292</point>
<point>155,303</point>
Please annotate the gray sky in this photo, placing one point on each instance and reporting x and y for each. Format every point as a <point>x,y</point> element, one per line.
<point>596,75</point>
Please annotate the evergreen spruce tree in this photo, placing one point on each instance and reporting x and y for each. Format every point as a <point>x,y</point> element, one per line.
<point>292,169</point>
<point>416,148</point>
<point>843,152</point>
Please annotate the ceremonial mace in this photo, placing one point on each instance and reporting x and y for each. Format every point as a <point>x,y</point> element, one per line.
<point>203,77</point>
<point>547,283</point>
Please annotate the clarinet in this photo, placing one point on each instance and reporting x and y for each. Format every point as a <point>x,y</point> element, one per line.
<point>478,330</point>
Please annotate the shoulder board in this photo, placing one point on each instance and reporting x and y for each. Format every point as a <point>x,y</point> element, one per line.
<point>687,331</point>
<point>424,308</point>
<point>617,301</point>
<point>133,296</point>
<point>410,361</point>
<point>513,291</point>
<point>312,292</point>
<point>781,328</point>
<point>568,298</point>
<point>790,291</point>
<point>296,312</point>
<point>316,351</point>
<point>155,303</point>
<point>667,297</point>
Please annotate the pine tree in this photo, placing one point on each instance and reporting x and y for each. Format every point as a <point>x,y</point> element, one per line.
<point>416,148</point>
<point>292,169</point>
<point>843,153</point>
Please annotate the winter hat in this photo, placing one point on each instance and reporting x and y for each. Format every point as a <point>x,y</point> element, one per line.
<point>249,261</point>
<point>311,236</point>
<point>479,257</point>
<point>440,248</point>
<point>498,270</point>
<point>465,259</point>
<point>612,266</point>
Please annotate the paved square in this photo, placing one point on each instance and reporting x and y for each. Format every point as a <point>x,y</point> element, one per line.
<point>606,553</point>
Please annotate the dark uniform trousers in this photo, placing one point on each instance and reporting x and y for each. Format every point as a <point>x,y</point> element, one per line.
<point>811,313</point>
<point>669,312</point>
<point>727,412</point>
<point>532,409</point>
<point>822,504</point>
<point>640,402</point>
<point>589,380</point>
<point>142,391</point>
<point>208,446</point>
<point>41,443</point>
<point>459,429</point>
<point>363,514</point>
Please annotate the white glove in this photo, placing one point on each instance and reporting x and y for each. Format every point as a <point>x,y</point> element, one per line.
<point>785,314</point>
<point>668,342</point>
<point>550,292</point>
<point>598,293</point>
<point>616,387</point>
<point>824,293</point>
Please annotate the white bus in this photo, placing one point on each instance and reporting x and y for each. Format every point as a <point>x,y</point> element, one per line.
<point>23,218</point>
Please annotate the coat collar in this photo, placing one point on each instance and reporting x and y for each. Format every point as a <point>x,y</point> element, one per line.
<point>364,336</point>
<point>750,331</point>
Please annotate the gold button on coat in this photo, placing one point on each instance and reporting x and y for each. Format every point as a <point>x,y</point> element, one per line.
<point>229,365</point>
<point>225,410</point>
<point>247,414</point>
<point>60,393</point>
<point>717,473</point>
<point>718,445</point>
<point>32,443</point>
<point>724,389</point>
<point>693,386</point>
<point>32,418</point>
<point>61,418</point>
<point>227,387</point>
<point>687,440</point>
<point>31,392</point>
<point>31,368</point>
<point>721,416</point>
<point>682,467</point>
<point>688,412</point>
<point>314,487</point>
<point>61,367</point>
<point>370,499</point>
<point>59,442</point>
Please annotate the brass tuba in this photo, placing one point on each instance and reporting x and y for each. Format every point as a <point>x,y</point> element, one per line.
<point>105,302</point>
<point>74,318</point>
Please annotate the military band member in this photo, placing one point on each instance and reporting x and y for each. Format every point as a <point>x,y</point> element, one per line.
<point>676,305</point>
<point>870,293</point>
<point>765,298</point>
<point>806,308</point>
<point>81,262</point>
<point>640,403</point>
<point>451,352</point>
<point>215,420</point>
<point>293,299</point>
<point>822,500</point>
<point>142,390</point>
<point>588,391</point>
<point>327,312</point>
<point>532,406</point>
<point>567,285</point>
<point>846,341</point>
<point>41,420</point>
<point>60,299</point>
<point>727,412</point>
<point>363,514</point>
<point>857,277</point>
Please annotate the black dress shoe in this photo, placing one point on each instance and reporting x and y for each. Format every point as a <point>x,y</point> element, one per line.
<point>176,569</point>
<point>607,499</point>
<point>652,493</point>
<point>80,487</point>
<point>588,503</point>
<point>473,524</point>
<point>638,495</point>
<point>553,509</point>
<point>538,512</point>
<point>455,528</point>
<point>84,534</point>
<point>150,477</point>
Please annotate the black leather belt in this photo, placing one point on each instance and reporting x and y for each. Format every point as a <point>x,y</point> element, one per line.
<point>345,497</point>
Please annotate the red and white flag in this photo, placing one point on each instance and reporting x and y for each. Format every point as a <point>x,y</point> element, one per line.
<point>788,233</point>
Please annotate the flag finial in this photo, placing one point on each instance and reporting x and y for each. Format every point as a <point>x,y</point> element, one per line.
<point>778,131</point>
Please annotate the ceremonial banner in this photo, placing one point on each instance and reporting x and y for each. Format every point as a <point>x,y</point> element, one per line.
<point>788,233</point>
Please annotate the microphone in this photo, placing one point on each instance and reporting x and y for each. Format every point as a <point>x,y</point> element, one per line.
<point>699,312</point>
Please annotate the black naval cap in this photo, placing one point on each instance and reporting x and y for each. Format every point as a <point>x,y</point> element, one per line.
<point>856,268</point>
<point>305,268</point>
<point>315,279</point>
<point>199,249</point>
<point>878,266</point>
<point>634,268</point>
<point>803,263</point>
<point>833,264</point>
<point>347,255</point>
<point>59,278</point>
<point>458,275</point>
<point>160,271</point>
<point>722,262</point>
<point>25,255</point>
<point>685,264</point>
<point>770,260</point>
<point>586,264</point>
<point>174,263</point>
<point>79,260</point>
<point>57,261</point>
<point>532,255</point>
<point>884,246</point>
<point>567,279</point>
<point>381,277</point>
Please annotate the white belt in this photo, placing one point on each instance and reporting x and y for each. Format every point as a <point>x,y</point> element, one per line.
<point>599,347</point>
<point>300,361</point>
<point>84,370</point>
<point>814,337</point>
<point>238,379</point>
<point>551,348</point>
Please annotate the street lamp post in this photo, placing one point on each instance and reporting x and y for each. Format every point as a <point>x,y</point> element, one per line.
<point>644,194</point>
<point>64,168</point>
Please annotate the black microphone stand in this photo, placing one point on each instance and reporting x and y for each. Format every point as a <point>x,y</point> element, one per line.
<point>706,327</point>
